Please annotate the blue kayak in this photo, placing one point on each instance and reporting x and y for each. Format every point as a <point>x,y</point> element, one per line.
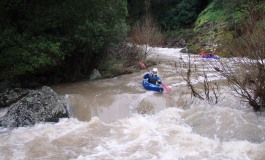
<point>211,56</point>
<point>152,87</point>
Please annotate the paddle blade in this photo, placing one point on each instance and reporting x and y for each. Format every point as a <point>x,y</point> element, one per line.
<point>142,65</point>
<point>166,88</point>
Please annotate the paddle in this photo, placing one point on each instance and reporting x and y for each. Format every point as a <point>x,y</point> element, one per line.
<point>164,86</point>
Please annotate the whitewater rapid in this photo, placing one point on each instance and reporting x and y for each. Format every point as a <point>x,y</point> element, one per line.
<point>117,119</point>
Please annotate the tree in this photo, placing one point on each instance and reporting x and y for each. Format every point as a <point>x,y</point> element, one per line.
<point>146,32</point>
<point>43,36</point>
<point>182,14</point>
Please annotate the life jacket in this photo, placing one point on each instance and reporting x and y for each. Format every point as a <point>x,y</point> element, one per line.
<point>152,79</point>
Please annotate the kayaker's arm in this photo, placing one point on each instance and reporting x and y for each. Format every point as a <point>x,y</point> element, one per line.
<point>159,80</point>
<point>146,76</point>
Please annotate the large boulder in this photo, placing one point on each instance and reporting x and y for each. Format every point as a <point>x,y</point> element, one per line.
<point>11,95</point>
<point>42,105</point>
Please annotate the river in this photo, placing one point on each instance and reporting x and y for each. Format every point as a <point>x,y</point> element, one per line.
<point>117,119</point>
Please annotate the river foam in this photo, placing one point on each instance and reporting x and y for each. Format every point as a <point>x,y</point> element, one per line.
<point>170,134</point>
<point>117,119</point>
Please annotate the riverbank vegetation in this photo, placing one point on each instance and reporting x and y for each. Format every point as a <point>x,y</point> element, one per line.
<point>57,41</point>
<point>222,19</point>
<point>242,40</point>
<point>249,79</point>
<point>54,42</point>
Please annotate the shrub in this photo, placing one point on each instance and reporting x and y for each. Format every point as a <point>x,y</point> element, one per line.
<point>146,33</point>
<point>248,52</point>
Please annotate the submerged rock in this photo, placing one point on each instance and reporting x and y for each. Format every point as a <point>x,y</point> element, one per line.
<point>42,105</point>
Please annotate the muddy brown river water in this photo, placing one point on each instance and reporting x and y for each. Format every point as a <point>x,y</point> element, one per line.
<point>117,119</point>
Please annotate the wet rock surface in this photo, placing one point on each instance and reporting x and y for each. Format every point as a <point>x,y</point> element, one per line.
<point>42,105</point>
<point>10,96</point>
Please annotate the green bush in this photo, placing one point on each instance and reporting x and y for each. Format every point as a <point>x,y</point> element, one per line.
<point>29,56</point>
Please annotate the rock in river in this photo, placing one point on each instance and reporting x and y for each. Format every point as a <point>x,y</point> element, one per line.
<point>42,105</point>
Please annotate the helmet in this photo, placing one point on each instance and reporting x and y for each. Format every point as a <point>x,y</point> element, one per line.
<point>155,70</point>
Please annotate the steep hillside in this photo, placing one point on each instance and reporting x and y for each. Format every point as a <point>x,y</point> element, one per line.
<point>221,18</point>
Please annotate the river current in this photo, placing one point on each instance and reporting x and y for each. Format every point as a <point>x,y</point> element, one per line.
<point>117,119</point>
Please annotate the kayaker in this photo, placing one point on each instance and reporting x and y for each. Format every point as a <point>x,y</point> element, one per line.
<point>152,77</point>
